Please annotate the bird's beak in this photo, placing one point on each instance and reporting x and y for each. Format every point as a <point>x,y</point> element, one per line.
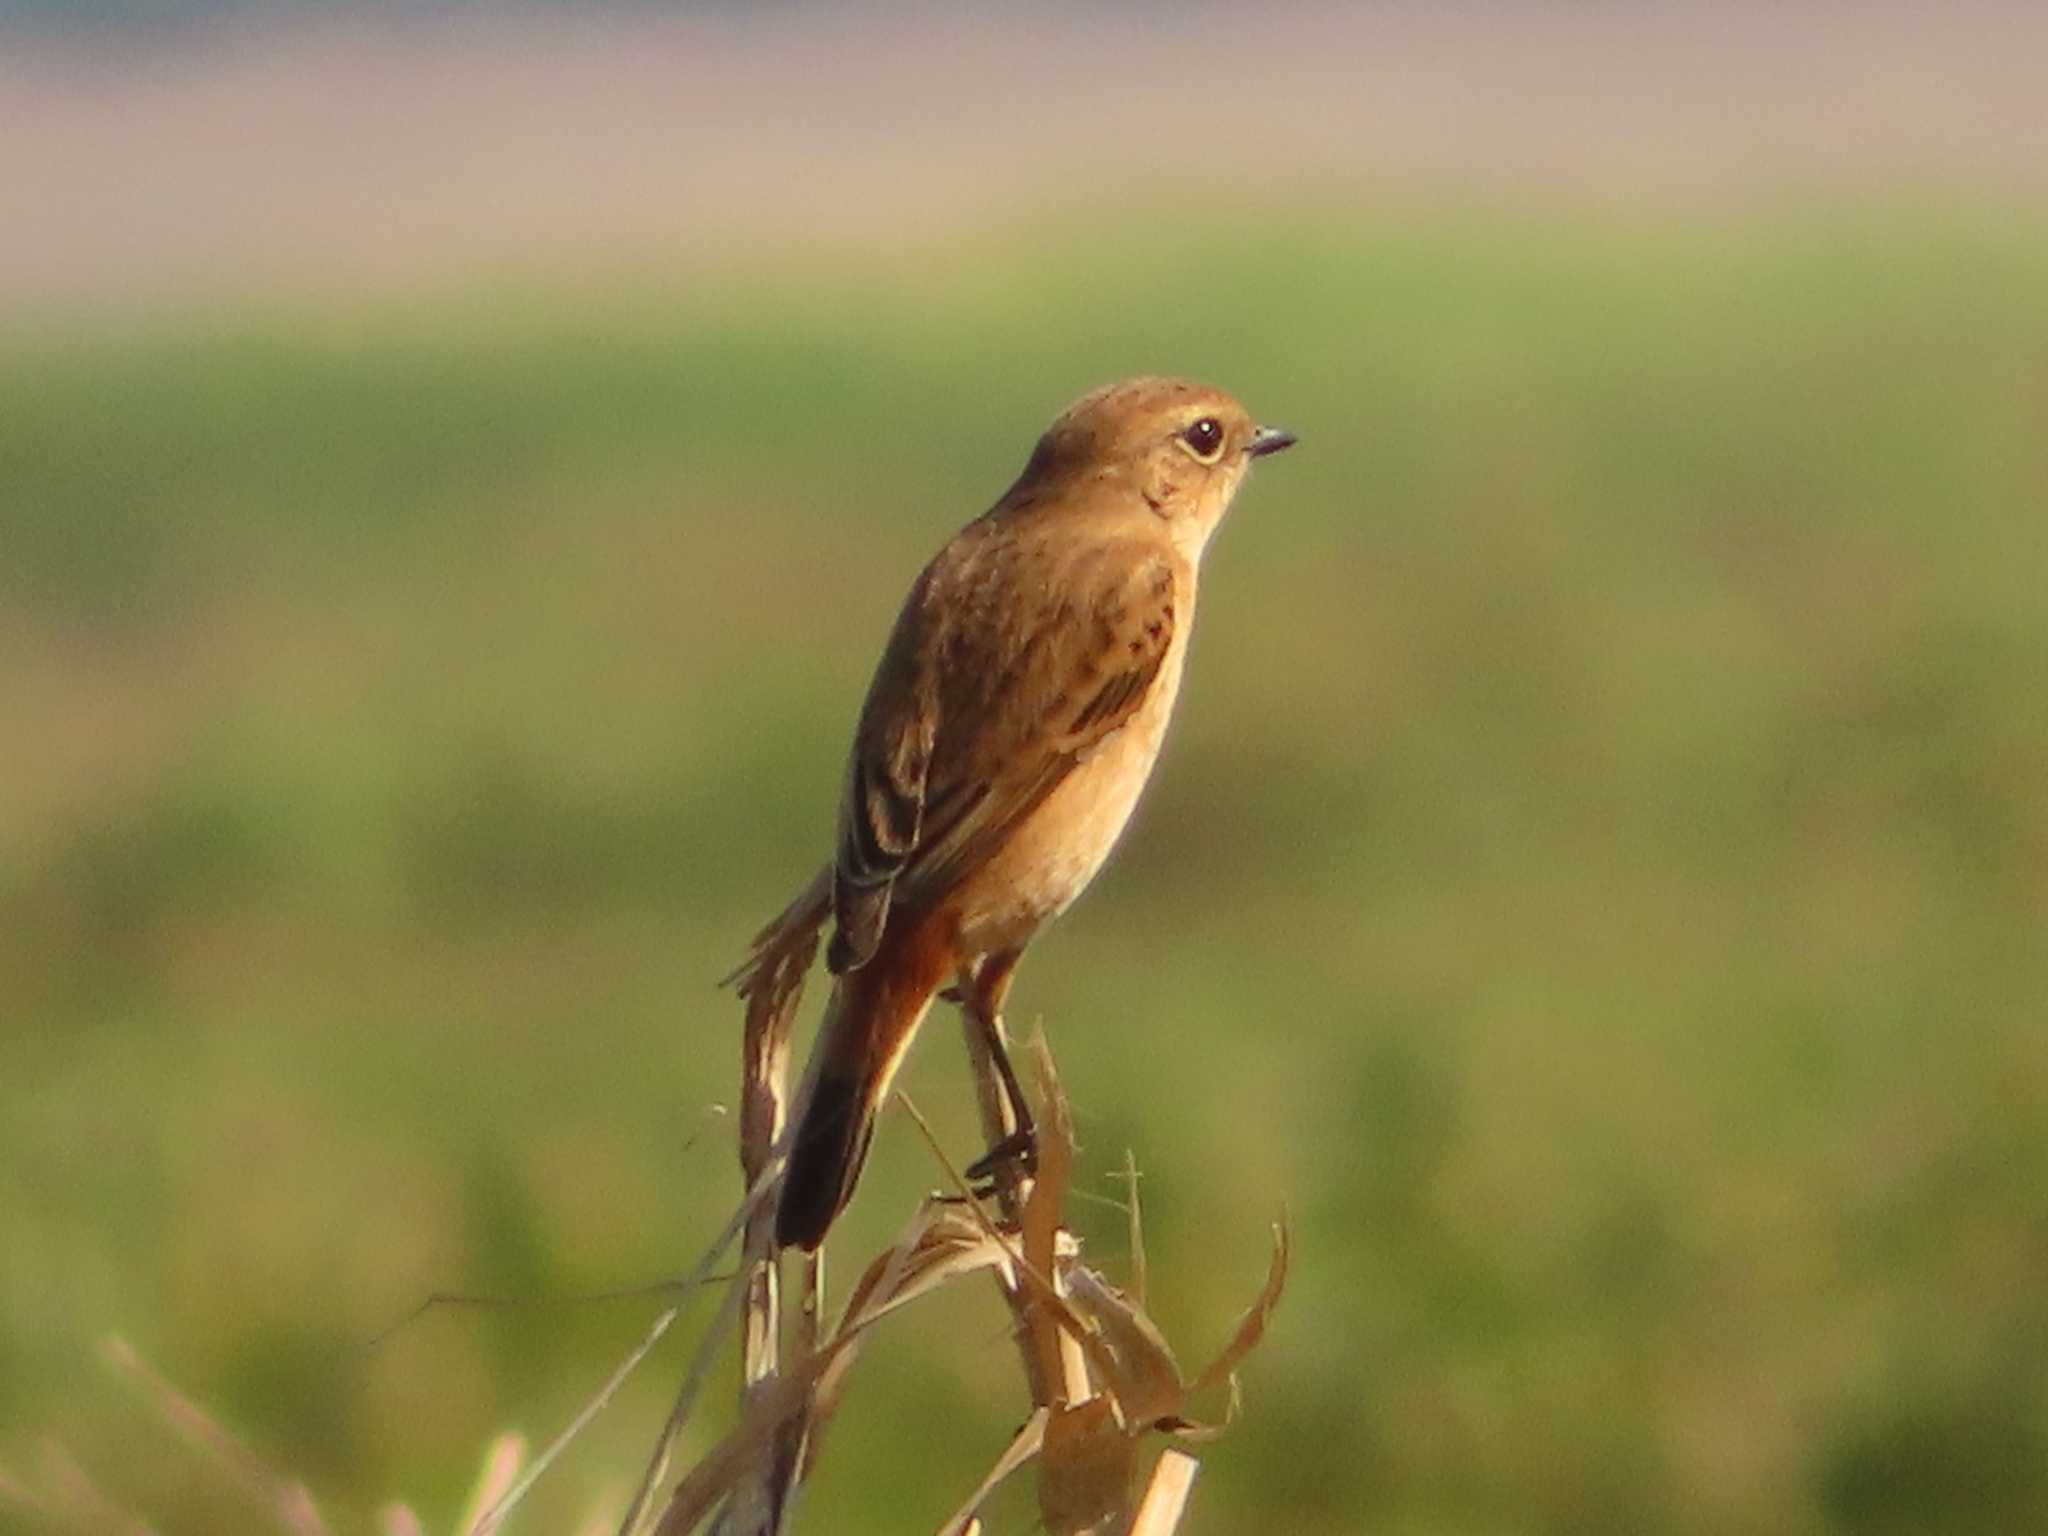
<point>1270,440</point>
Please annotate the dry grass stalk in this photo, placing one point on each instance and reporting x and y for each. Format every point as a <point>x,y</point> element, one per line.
<point>1021,1449</point>
<point>700,1364</point>
<point>289,1501</point>
<point>771,982</point>
<point>70,1500</point>
<point>501,1502</point>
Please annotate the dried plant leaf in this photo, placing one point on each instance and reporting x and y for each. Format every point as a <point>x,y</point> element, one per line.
<point>1144,1377</point>
<point>942,1244</point>
<point>1061,1313</point>
<point>773,986</point>
<point>1085,1468</point>
<point>1197,1432</point>
<point>782,951</point>
<point>877,1277</point>
<point>718,1472</point>
<point>1252,1326</point>
<point>1059,1370</point>
<point>1020,1450</point>
<point>1056,1149</point>
<point>1140,1279</point>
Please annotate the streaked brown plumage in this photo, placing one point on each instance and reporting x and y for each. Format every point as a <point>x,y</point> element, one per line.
<point>1013,720</point>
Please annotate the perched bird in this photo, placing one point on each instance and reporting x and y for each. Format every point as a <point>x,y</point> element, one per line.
<point>1013,720</point>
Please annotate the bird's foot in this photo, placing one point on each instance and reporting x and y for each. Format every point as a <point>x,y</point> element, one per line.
<point>1016,1154</point>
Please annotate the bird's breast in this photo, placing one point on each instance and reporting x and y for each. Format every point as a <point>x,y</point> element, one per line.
<point>1048,860</point>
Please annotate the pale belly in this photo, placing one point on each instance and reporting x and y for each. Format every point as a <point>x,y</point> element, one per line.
<point>1047,862</point>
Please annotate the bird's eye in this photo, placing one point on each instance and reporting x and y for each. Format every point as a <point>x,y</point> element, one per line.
<point>1205,437</point>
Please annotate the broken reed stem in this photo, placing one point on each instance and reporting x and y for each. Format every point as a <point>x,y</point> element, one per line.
<point>1173,1479</point>
<point>758,1507</point>
<point>755,1508</point>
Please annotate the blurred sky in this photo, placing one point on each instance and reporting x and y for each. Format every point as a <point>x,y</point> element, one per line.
<point>262,148</point>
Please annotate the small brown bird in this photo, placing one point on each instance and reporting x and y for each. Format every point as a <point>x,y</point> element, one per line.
<point>1012,722</point>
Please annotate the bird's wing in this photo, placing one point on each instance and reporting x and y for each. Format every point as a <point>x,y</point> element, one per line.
<point>882,806</point>
<point>987,697</point>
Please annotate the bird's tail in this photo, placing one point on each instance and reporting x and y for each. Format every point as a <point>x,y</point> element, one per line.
<point>868,1026</point>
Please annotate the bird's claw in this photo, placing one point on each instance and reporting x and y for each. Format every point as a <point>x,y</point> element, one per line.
<point>1017,1151</point>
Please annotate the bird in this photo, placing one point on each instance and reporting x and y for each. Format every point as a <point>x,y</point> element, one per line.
<point>1012,722</point>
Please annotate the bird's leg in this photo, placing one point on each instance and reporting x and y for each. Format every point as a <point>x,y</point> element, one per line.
<point>1005,1112</point>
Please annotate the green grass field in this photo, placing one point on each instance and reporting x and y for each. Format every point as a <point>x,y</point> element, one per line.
<point>1599,884</point>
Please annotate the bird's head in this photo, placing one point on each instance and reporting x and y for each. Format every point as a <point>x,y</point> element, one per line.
<point>1179,448</point>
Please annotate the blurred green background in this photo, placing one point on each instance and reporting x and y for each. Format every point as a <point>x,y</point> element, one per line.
<point>1597,884</point>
